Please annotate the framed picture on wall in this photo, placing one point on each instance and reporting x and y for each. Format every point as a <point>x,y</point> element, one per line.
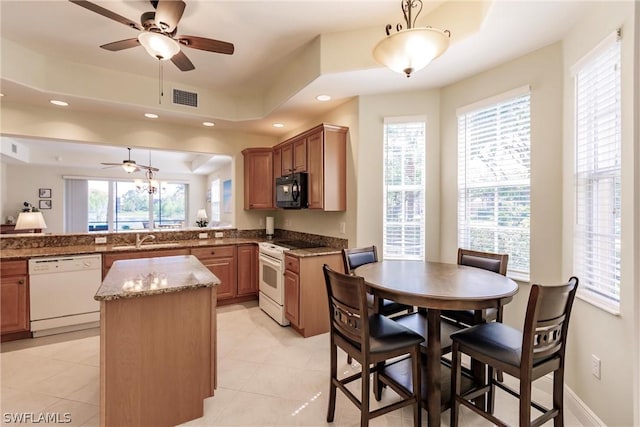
<point>44,193</point>
<point>45,204</point>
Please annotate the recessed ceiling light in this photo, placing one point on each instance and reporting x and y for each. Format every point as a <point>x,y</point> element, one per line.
<point>151,115</point>
<point>59,103</point>
<point>209,124</point>
<point>278,125</point>
<point>323,98</point>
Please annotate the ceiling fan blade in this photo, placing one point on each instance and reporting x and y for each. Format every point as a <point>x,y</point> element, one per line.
<point>121,45</point>
<point>182,62</point>
<point>168,14</point>
<point>151,168</point>
<point>107,13</point>
<point>209,45</point>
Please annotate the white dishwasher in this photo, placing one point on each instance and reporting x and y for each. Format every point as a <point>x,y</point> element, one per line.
<point>62,291</point>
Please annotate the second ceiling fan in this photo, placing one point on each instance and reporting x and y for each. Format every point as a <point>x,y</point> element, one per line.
<point>158,33</point>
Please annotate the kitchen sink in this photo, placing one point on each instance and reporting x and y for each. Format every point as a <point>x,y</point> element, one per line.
<point>148,246</point>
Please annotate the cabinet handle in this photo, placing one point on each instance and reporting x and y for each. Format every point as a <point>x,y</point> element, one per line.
<point>21,282</point>
<point>213,252</point>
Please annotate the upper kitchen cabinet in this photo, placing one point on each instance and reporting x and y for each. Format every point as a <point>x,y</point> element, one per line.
<point>327,167</point>
<point>290,156</point>
<point>258,178</point>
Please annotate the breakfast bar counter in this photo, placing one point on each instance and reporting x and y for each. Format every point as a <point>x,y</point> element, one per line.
<point>157,341</point>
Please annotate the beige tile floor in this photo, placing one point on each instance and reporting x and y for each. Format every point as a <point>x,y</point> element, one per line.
<point>267,376</point>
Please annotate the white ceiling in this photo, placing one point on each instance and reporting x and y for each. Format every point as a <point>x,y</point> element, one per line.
<point>267,36</point>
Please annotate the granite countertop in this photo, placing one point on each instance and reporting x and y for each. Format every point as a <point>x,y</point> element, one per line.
<point>8,254</point>
<point>152,276</point>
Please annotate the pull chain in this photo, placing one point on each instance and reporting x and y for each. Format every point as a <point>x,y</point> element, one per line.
<point>160,78</point>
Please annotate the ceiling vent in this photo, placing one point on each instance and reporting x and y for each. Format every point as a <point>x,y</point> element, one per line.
<point>183,97</point>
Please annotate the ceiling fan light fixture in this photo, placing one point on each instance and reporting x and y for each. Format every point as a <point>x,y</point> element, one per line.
<point>129,167</point>
<point>411,49</point>
<point>158,45</point>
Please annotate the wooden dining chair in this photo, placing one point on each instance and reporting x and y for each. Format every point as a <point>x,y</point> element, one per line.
<point>528,355</point>
<point>371,339</point>
<point>487,261</point>
<point>354,258</point>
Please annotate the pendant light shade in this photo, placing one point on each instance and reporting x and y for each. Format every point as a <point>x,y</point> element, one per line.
<point>158,45</point>
<point>411,49</point>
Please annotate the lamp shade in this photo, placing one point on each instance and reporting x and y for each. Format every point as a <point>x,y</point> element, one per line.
<point>202,214</point>
<point>129,166</point>
<point>158,46</point>
<point>411,50</point>
<point>30,220</point>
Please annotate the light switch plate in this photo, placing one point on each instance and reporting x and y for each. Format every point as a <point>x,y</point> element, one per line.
<point>218,234</point>
<point>101,240</point>
<point>203,235</point>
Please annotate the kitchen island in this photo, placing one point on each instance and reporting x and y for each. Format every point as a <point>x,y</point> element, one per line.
<point>157,341</point>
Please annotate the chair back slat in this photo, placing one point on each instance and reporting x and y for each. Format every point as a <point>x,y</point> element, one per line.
<point>485,260</point>
<point>547,321</point>
<point>347,304</point>
<point>354,258</point>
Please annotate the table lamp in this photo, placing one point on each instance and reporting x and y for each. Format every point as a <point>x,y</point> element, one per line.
<point>201,218</point>
<point>30,221</point>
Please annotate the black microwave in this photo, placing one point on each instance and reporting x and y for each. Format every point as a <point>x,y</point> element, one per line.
<point>291,191</point>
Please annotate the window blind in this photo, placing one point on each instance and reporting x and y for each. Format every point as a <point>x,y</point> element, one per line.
<point>215,200</point>
<point>598,175</point>
<point>404,186</point>
<point>494,179</point>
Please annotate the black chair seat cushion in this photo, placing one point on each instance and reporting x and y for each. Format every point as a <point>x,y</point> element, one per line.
<point>495,340</point>
<point>388,335</point>
<point>468,316</point>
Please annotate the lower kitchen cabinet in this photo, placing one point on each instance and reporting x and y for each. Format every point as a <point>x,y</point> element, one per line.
<point>221,260</point>
<point>247,270</point>
<point>305,293</point>
<point>14,297</point>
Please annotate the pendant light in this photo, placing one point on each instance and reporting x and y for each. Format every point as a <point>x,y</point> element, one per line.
<point>411,49</point>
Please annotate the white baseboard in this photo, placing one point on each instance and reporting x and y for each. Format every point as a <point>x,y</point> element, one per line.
<point>572,402</point>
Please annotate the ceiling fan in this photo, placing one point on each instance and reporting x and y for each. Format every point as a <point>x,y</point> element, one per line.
<point>158,31</point>
<point>131,165</point>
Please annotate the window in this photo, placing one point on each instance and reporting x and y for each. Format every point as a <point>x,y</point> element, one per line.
<point>404,186</point>
<point>121,205</point>
<point>494,178</point>
<point>215,200</point>
<point>597,174</point>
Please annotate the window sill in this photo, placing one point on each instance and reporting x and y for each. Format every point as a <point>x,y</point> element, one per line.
<point>599,302</point>
<point>518,276</point>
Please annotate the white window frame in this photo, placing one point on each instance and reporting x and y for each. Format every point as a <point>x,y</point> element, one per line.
<point>404,224</point>
<point>598,159</point>
<point>467,183</point>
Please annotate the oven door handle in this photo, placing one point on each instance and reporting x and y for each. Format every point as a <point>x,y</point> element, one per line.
<point>271,262</point>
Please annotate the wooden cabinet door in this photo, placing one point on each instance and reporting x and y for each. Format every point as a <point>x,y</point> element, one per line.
<point>292,297</point>
<point>247,270</point>
<point>225,270</point>
<point>258,178</point>
<point>287,159</point>
<point>315,169</point>
<point>13,297</point>
<point>277,163</point>
<point>300,155</point>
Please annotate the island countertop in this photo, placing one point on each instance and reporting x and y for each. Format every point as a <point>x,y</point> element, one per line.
<point>152,276</point>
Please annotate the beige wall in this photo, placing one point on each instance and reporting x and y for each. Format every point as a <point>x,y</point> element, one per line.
<point>594,331</point>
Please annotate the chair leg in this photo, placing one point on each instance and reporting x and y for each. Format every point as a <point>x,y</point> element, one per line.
<point>455,384</point>
<point>558,393</point>
<point>491,398</point>
<point>364,399</point>
<point>349,359</point>
<point>525,401</point>
<point>332,385</point>
<point>378,385</point>
<point>417,386</point>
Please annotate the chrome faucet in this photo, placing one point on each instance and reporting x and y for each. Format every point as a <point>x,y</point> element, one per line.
<point>139,241</point>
